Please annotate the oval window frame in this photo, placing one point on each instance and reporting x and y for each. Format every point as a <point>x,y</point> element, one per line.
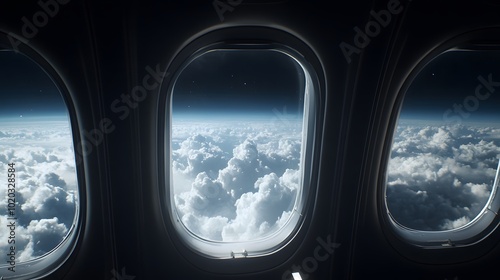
<point>249,36</point>
<point>404,240</point>
<point>56,258</point>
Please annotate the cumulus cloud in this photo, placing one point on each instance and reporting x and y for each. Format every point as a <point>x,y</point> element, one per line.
<point>440,177</point>
<point>257,213</point>
<point>197,154</point>
<point>235,182</point>
<point>46,185</point>
<point>45,234</point>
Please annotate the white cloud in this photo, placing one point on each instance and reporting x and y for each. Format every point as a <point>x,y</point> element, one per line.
<point>206,197</point>
<point>46,184</point>
<point>243,177</point>
<point>197,154</point>
<point>440,177</point>
<point>479,190</point>
<point>456,223</point>
<point>257,213</point>
<point>242,170</point>
<point>45,234</point>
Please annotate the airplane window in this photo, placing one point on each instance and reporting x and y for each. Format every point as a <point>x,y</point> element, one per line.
<point>238,141</point>
<point>39,194</point>
<point>442,173</point>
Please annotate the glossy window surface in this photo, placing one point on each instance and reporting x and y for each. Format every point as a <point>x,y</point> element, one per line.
<point>441,175</point>
<point>39,189</point>
<point>237,142</point>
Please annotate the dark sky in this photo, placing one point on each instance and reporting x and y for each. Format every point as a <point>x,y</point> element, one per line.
<point>244,81</point>
<point>25,89</point>
<point>451,79</point>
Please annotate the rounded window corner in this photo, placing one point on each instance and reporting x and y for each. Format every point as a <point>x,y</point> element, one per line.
<point>433,198</point>
<point>296,112</point>
<point>37,140</point>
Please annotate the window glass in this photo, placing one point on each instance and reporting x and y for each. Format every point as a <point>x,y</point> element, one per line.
<point>237,139</point>
<point>38,188</point>
<point>446,147</point>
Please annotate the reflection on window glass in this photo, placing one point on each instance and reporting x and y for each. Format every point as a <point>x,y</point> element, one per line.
<point>446,146</point>
<point>38,188</point>
<point>236,143</point>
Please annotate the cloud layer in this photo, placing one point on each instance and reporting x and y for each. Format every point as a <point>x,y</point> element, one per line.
<point>235,181</point>
<point>440,176</point>
<point>46,185</point>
